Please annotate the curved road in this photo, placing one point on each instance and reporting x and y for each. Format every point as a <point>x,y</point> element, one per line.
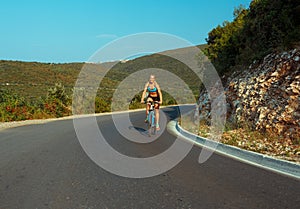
<point>44,166</point>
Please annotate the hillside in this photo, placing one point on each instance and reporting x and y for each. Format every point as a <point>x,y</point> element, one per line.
<point>26,87</point>
<point>33,79</point>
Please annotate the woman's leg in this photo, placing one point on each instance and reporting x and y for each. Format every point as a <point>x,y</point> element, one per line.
<point>147,112</point>
<point>147,108</point>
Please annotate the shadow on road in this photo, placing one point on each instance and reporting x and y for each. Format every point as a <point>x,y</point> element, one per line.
<point>172,113</point>
<point>142,131</point>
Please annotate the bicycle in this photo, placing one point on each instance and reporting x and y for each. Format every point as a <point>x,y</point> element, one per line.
<point>151,119</point>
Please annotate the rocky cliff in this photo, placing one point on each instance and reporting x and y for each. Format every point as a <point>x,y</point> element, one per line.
<point>265,97</point>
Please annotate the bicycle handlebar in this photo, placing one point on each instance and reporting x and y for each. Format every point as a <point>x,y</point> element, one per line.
<point>150,102</point>
<point>153,102</point>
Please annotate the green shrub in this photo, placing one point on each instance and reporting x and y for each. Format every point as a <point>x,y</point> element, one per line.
<point>13,107</point>
<point>101,105</point>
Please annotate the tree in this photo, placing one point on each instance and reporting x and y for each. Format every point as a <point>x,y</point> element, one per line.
<point>223,41</point>
<point>265,27</point>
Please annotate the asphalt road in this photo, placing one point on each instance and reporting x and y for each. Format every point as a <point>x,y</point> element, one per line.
<point>44,166</point>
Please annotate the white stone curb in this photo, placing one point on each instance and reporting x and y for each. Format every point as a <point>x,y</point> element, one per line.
<point>256,159</point>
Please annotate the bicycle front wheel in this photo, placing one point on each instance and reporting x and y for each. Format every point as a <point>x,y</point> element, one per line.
<point>151,123</point>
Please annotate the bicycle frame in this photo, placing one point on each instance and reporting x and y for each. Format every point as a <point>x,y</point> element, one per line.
<point>151,118</point>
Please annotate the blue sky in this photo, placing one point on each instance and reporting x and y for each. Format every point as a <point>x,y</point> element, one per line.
<point>71,31</point>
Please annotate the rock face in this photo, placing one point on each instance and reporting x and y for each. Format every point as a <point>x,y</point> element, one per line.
<point>266,96</point>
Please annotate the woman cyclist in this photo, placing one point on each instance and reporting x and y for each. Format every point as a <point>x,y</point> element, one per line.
<point>155,95</point>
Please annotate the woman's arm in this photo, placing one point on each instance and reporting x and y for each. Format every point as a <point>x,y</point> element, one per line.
<point>144,93</point>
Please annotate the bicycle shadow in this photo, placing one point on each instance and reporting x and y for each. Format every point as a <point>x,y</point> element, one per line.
<point>142,131</point>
